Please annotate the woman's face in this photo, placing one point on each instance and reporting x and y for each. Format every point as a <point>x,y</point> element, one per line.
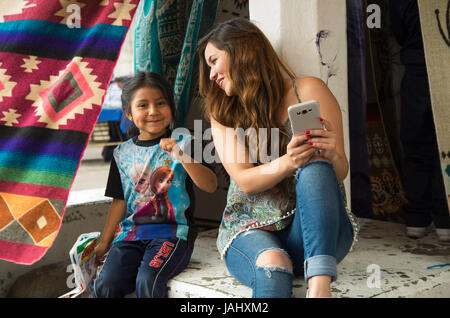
<point>219,62</point>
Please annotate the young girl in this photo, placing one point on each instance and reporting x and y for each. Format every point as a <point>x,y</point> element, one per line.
<point>265,240</point>
<point>155,239</point>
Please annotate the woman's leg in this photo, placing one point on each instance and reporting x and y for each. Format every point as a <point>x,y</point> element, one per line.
<point>256,259</point>
<point>321,233</point>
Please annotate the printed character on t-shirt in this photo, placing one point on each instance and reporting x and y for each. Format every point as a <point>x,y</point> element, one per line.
<point>158,208</point>
<point>141,179</point>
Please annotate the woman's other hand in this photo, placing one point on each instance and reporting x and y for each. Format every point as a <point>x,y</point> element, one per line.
<point>324,140</point>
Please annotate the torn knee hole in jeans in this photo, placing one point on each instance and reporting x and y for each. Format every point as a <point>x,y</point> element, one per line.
<point>268,269</point>
<point>274,260</point>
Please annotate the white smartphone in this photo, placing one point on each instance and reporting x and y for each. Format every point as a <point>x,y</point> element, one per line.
<point>304,116</point>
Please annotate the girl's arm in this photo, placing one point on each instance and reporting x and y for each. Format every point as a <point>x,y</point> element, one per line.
<point>202,176</point>
<point>251,178</point>
<point>116,214</point>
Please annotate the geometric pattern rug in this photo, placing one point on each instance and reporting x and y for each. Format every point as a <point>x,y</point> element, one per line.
<point>56,61</point>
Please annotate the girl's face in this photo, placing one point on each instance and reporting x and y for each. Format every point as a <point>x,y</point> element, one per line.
<point>219,62</point>
<point>150,112</point>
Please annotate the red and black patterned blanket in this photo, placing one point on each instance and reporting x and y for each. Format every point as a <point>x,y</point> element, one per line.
<point>56,60</point>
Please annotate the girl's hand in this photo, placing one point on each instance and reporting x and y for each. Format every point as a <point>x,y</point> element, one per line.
<point>324,140</point>
<point>170,146</point>
<point>100,252</point>
<point>299,151</point>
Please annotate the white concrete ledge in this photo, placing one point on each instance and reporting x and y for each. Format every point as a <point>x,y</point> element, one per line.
<point>86,197</point>
<point>404,267</point>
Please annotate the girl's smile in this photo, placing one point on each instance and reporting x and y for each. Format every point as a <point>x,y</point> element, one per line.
<point>150,112</point>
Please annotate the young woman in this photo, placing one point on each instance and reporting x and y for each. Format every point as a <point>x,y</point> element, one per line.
<point>156,232</point>
<point>293,219</point>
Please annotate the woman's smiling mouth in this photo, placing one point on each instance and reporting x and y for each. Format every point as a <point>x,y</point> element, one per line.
<point>220,82</point>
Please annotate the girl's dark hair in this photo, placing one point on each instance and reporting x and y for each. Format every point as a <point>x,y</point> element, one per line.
<point>140,80</point>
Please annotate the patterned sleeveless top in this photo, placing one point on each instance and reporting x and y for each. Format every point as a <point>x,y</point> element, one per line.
<point>267,210</point>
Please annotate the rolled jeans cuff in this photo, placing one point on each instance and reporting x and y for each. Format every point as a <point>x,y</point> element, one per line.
<point>321,265</point>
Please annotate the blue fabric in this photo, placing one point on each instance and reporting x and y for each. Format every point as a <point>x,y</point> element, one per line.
<point>147,53</point>
<point>160,24</point>
<point>109,114</point>
<point>357,96</point>
<point>318,238</point>
<point>183,79</point>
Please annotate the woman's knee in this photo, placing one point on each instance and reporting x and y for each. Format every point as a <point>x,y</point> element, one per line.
<point>315,170</point>
<point>274,259</point>
<point>317,180</point>
<point>273,275</point>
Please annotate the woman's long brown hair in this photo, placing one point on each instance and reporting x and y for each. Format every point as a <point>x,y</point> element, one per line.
<point>256,74</point>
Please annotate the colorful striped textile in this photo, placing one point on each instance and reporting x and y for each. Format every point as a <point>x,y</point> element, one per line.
<point>56,61</point>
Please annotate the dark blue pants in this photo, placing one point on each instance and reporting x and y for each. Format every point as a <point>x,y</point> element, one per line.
<point>144,266</point>
<point>422,176</point>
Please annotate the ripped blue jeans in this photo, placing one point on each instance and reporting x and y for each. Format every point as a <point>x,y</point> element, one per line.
<point>318,238</point>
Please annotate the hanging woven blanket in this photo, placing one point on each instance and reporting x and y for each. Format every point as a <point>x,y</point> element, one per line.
<point>56,60</point>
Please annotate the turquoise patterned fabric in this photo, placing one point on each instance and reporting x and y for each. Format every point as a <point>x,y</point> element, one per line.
<point>147,53</point>
<point>166,36</point>
<point>183,79</point>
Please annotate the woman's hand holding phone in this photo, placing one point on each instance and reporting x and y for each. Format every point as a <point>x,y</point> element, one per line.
<point>324,140</point>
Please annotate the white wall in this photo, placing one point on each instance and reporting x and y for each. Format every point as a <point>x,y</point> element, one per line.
<point>125,63</point>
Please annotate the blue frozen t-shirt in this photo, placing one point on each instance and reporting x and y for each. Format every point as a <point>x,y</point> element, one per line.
<point>157,190</point>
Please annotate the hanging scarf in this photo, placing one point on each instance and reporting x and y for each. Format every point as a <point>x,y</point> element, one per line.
<point>166,37</point>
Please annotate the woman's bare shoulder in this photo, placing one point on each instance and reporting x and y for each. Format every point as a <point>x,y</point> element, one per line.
<point>309,82</point>
<point>310,87</point>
